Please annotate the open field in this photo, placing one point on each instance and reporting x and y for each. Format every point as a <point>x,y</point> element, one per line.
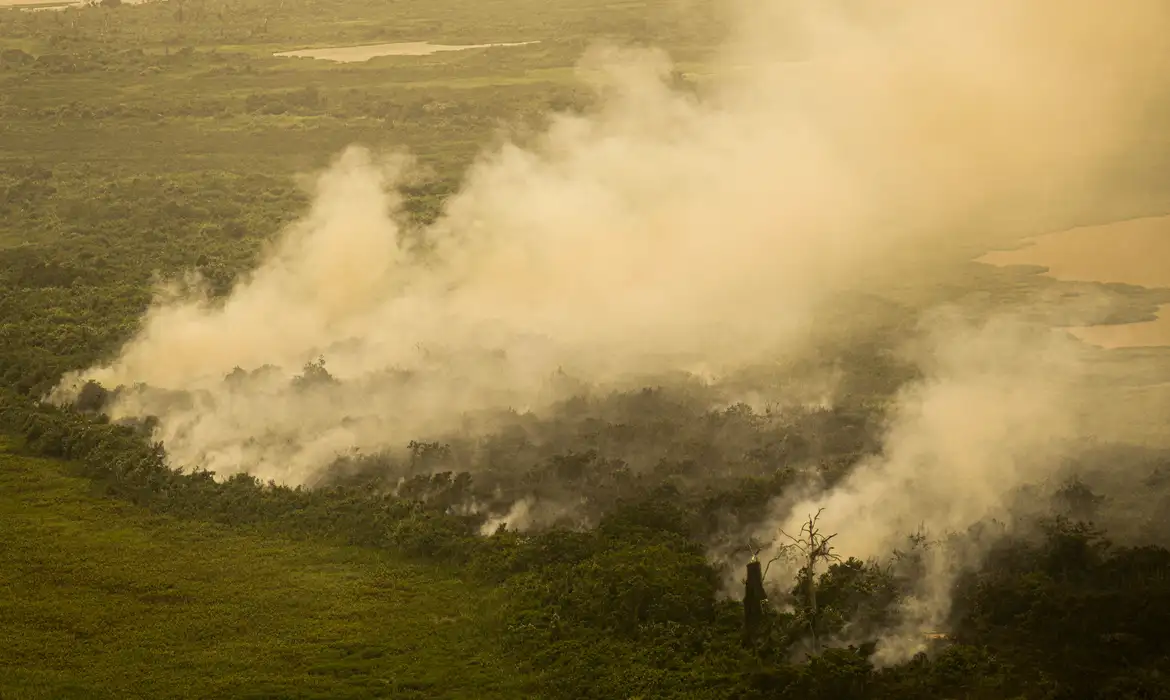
<point>104,600</point>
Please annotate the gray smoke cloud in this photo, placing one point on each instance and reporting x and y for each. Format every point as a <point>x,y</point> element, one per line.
<point>867,146</point>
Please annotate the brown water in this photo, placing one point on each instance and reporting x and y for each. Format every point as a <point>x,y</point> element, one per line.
<point>357,54</point>
<point>1128,252</point>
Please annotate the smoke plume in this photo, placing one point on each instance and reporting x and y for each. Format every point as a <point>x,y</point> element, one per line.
<point>841,147</point>
<point>999,405</point>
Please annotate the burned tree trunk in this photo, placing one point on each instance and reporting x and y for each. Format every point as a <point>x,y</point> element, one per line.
<point>753,601</point>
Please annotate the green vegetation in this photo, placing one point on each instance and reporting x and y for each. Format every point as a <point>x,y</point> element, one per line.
<point>144,141</point>
<point>165,137</point>
<point>104,600</point>
<point>630,608</point>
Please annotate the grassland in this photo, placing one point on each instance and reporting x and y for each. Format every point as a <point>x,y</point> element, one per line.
<point>102,599</point>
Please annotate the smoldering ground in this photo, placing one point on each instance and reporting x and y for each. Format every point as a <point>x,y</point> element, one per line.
<point>845,150</point>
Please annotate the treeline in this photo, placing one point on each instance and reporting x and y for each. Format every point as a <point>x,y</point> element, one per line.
<point>634,607</point>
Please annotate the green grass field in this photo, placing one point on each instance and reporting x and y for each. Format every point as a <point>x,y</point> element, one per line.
<point>103,600</point>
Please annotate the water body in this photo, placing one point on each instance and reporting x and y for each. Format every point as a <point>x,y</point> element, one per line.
<point>1128,252</point>
<point>357,54</point>
<point>38,5</point>
<point>55,5</point>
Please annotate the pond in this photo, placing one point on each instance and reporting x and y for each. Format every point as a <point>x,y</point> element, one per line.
<point>357,54</point>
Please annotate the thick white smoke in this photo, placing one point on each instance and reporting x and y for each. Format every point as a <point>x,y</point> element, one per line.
<point>1000,404</point>
<point>664,231</point>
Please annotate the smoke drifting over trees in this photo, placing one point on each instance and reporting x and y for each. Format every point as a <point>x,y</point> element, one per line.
<point>749,244</point>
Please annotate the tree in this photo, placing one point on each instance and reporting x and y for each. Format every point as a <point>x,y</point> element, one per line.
<point>1077,501</point>
<point>92,397</point>
<point>811,547</point>
<point>314,373</point>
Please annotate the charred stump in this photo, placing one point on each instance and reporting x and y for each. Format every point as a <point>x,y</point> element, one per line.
<point>753,601</point>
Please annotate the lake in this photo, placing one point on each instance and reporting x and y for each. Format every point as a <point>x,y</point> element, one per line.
<point>1129,252</point>
<point>357,54</point>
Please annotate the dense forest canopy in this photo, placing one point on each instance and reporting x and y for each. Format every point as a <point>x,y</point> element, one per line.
<point>664,328</point>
